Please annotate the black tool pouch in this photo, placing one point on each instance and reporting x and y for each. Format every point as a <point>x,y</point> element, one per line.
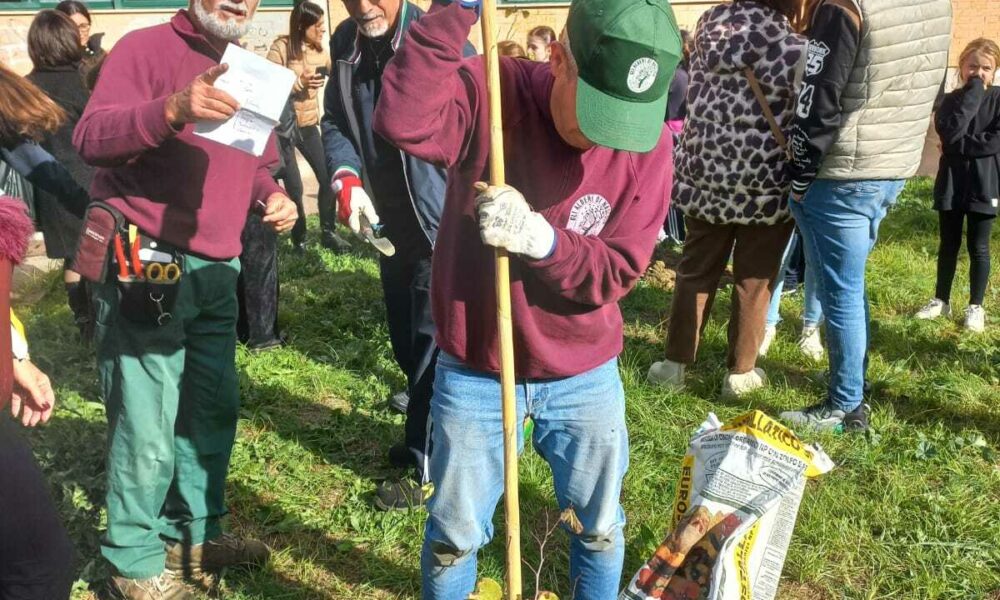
<point>151,299</point>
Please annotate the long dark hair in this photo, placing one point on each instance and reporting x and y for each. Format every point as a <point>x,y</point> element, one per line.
<point>74,7</point>
<point>53,40</point>
<point>304,15</point>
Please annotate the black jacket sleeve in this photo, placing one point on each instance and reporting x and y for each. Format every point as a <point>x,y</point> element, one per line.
<point>956,113</point>
<point>45,172</point>
<point>954,122</point>
<point>818,113</point>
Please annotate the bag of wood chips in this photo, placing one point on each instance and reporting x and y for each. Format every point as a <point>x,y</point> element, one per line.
<point>737,499</point>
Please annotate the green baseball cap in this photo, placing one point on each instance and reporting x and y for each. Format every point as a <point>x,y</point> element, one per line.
<point>626,52</point>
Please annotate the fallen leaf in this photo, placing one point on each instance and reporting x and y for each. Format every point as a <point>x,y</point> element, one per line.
<point>487,589</point>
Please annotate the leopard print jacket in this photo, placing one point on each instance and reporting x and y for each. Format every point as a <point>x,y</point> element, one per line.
<point>729,168</point>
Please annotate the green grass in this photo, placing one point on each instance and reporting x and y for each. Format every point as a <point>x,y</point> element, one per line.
<point>913,512</point>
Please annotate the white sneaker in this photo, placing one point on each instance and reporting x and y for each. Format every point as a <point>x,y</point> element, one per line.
<point>975,318</point>
<point>666,374</point>
<point>934,309</point>
<point>735,385</point>
<point>810,343</point>
<point>765,344</point>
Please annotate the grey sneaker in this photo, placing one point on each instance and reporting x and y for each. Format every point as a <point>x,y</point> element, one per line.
<point>737,385</point>
<point>934,309</point>
<point>770,332</point>
<point>823,417</point>
<point>975,318</point>
<point>667,374</point>
<point>810,343</point>
<point>164,586</point>
<point>400,402</point>
<point>404,494</point>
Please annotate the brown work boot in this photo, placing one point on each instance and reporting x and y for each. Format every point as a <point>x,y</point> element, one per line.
<point>162,587</point>
<point>213,556</point>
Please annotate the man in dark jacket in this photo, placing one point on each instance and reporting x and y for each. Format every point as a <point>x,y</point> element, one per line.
<point>403,194</point>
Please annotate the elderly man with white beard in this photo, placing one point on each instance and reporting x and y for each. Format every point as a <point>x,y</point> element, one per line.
<point>406,196</point>
<point>170,384</point>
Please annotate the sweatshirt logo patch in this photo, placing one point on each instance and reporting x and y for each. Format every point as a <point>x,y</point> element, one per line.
<point>589,215</point>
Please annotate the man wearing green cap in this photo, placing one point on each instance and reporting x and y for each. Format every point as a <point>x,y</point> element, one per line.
<point>589,168</point>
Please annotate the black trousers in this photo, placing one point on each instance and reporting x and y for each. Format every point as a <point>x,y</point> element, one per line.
<point>36,555</point>
<point>307,140</point>
<point>978,244</point>
<point>406,286</point>
<point>257,287</point>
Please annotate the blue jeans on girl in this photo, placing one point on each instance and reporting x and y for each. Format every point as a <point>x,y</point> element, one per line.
<point>812,312</point>
<point>839,223</point>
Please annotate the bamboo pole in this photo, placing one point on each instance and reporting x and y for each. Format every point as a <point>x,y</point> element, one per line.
<point>504,322</point>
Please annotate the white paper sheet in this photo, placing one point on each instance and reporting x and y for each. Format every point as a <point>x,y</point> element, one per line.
<point>261,87</point>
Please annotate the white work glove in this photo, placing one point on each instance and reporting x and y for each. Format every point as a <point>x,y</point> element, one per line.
<point>506,221</point>
<point>352,201</point>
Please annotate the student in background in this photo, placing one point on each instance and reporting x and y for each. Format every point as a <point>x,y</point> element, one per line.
<point>93,54</point>
<point>511,48</point>
<point>302,51</point>
<point>676,113</point>
<point>56,54</point>
<point>968,180</point>
<point>539,39</point>
<point>731,183</point>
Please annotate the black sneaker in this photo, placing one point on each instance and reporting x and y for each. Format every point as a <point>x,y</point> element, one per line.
<point>823,417</point>
<point>401,457</point>
<point>332,241</point>
<point>399,402</point>
<point>404,494</point>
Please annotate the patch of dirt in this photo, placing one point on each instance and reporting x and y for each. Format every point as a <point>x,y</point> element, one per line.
<point>788,590</point>
<point>660,276</point>
<point>662,271</point>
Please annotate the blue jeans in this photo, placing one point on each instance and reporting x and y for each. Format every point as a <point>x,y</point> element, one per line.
<point>812,311</point>
<point>579,430</point>
<point>839,223</point>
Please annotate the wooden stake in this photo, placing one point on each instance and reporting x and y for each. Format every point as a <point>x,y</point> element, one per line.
<point>504,323</point>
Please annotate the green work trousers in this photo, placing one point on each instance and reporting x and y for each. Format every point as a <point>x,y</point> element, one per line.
<point>172,399</point>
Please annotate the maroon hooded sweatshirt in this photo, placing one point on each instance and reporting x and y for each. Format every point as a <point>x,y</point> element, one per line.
<point>174,185</point>
<point>606,206</point>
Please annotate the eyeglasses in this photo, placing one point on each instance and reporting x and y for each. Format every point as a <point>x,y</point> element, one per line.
<point>83,27</point>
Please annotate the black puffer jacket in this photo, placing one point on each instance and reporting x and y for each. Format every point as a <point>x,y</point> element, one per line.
<point>729,167</point>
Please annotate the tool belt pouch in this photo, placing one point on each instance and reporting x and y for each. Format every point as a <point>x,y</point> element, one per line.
<point>100,225</point>
<point>151,299</point>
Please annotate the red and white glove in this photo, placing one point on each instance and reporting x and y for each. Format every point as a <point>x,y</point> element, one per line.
<point>352,201</point>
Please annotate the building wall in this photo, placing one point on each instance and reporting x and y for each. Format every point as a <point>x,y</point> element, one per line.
<point>973,18</point>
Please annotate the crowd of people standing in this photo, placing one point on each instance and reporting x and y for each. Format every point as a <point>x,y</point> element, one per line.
<point>776,127</point>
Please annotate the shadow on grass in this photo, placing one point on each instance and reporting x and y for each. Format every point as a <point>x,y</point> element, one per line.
<point>349,562</point>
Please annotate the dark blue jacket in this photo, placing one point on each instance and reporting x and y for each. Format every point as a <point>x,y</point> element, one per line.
<point>347,107</point>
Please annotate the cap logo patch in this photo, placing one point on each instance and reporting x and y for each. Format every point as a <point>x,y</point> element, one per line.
<point>589,215</point>
<point>642,74</point>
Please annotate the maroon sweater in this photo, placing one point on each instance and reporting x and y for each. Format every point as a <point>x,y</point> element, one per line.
<point>606,206</point>
<point>181,188</point>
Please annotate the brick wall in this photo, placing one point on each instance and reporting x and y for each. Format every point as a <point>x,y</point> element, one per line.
<point>973,19</point>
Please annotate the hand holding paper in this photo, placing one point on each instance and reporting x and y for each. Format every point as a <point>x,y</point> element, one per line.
<point>201,101</point>
<point>259,88</point>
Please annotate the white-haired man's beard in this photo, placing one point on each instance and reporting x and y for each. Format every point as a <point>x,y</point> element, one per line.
<point>373,24</point>
<point>229,29</point>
